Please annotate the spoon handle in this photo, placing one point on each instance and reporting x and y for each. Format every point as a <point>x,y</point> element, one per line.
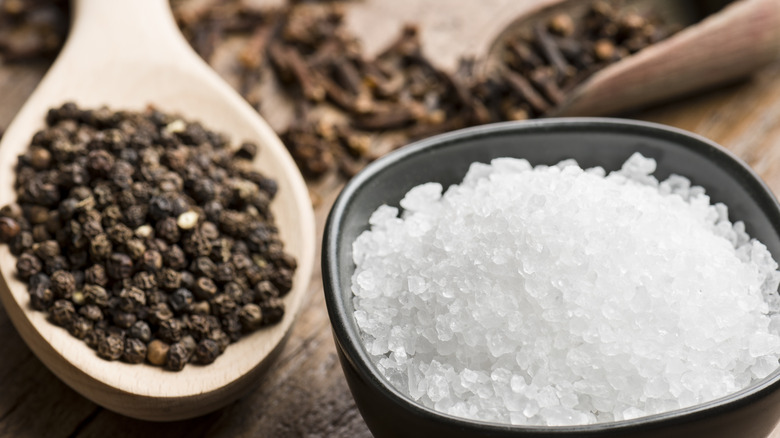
<point>124,29</point>
<point>724,47</point>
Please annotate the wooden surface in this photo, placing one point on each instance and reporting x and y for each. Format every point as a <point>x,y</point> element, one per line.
<point>304,394</point>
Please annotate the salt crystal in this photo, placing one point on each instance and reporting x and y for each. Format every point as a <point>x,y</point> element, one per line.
<point>421,197</point>
<point>561,296</point>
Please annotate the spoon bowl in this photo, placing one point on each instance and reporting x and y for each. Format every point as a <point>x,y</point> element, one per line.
<point>721,41</point>
<point>128,55</point>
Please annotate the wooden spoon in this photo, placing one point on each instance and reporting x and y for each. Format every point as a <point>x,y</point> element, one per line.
<point>128,54</point>
<point>715,47</point>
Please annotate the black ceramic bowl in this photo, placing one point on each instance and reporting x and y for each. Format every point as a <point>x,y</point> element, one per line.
<point>752,412</point>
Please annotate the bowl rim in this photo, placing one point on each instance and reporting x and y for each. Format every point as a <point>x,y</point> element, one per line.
<point>347,335</point>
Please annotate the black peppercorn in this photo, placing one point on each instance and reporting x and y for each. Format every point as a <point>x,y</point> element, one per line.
<point>207,351</point>
<point>282,279</point>
<point>39,279</point>
<point>209,231</point>
<point>94,336</point>
<point>100,247</point>
<point>11,211</point>
<point>175,258</point>
<point>135,216</point>
<point>168,229</point>
<point>160,207</point>
<point>124,319</point>
<point>119,266</point>
<point>100,163</point>
<point>135,351</point>
<point>200,308</point>
<point>246,151</point>
<point>135,248</point>
<point>96,274</point>
<point>125,199</point>
<point>222,304</point>
<point>92,227</point>
<point>40,233</point>
<point>204,288</point>
<point>21,242</point>
<point>231,324</point>
<point>237,293</point>
<point>197,245</point>
<point>145,280</point>
<point>62,312</point>
<point>240,261</point>
<point>103,195</point>
<point>9,229</point>
<point>55,264</point>
<point>160,312</point>
<point>180,206</point>
<point>122,231</point>
<point>131,298</point>
<point>119,233</point>
<point>79,327</point>
<point>178,356</point>
<point>251,317</point>
<point>253,274</point>
<point>170,330</point>
<point>151,260</point>
<point>155,296</point>
<point>235,223</point>
<point>91,312</point>
<point>221,250</point>
<point>111,347</point>
<point>95,294</point>
<point>47,249</point>
<point>225,273</point>
<point>140,330</point>
<point>169,279</point>
<point>41,297</point>
<point>180,300</point>
<point>203,266</point>
<point>265,290</point>
<point>28,265</point>
<point>63,284</point>
<point>187,280</point>
<point>213,210</point>
<point>273,310</point>
<point>142,191</point>
<point>78,260</point>
<point>112,215</point>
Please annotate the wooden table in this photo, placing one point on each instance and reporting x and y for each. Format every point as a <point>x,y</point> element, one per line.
<point>305,394</point>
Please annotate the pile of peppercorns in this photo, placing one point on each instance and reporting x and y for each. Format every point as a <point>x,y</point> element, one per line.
<point>146,236</point>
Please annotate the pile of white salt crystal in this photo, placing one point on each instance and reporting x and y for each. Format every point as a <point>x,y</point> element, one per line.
<point>561,296</point>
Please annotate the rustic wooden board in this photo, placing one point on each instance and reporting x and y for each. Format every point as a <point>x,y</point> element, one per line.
<point>305,395</point>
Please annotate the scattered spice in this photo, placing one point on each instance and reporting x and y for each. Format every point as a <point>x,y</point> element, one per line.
<point>349,109</point>
<point>158,280</point>
<point>554,57</point>
<point>400,92</point>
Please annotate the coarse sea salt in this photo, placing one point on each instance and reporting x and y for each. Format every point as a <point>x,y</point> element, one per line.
<point>553,295</point>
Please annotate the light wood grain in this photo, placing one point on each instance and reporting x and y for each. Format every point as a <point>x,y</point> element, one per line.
<point>129,55</point>
<point>304,394</point>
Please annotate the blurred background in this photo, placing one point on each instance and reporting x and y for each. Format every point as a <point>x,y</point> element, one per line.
<point>343,83</point>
